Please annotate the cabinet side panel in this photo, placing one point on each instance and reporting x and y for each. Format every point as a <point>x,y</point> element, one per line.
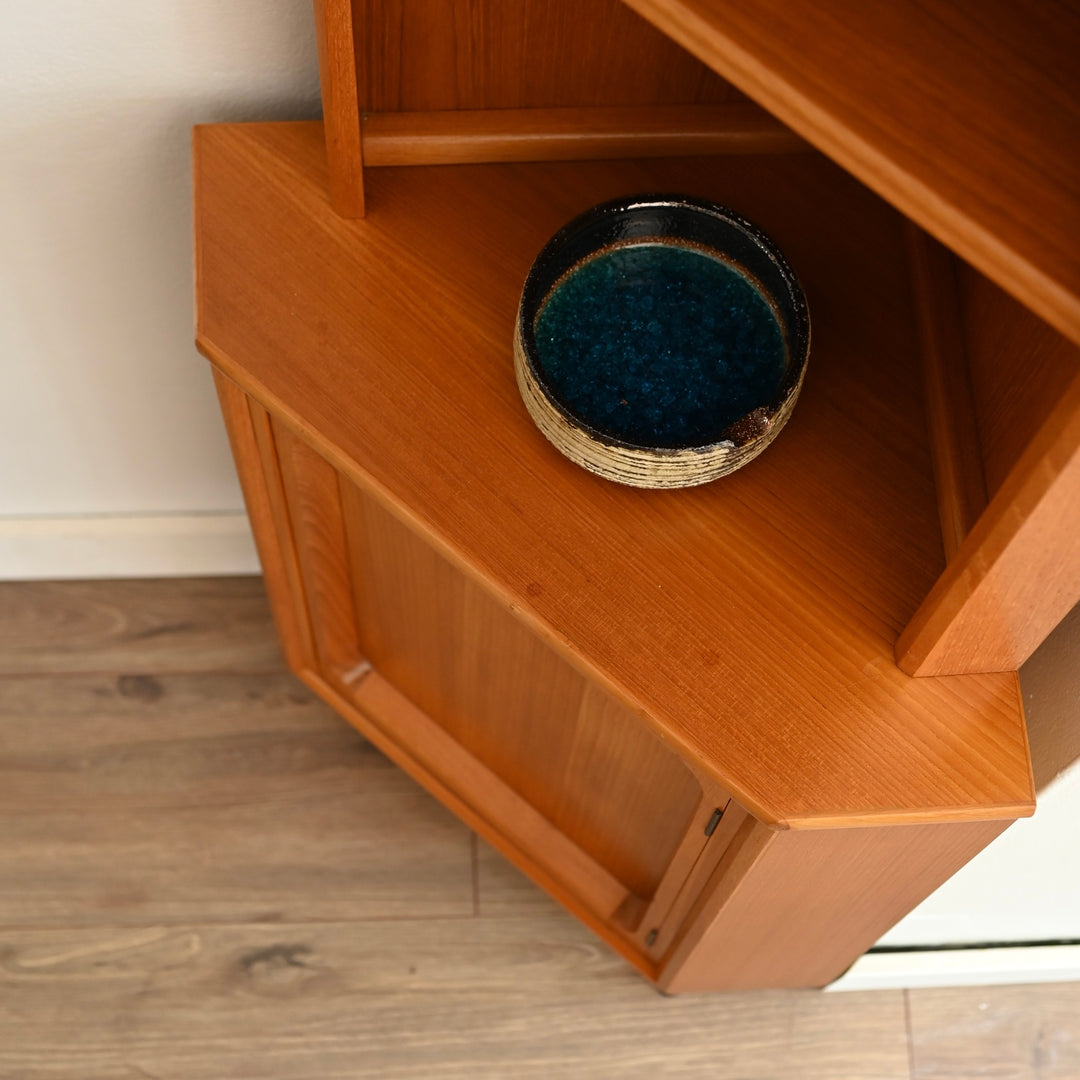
<point>272,537</point>
<point>1020,368</point>
<point>581,759</point>
<point>507,54</point>
<point>310,487</point>
<point>795,909</point>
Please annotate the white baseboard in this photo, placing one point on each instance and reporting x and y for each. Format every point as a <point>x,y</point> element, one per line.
<point>962,967</point>
<point>124,546</point>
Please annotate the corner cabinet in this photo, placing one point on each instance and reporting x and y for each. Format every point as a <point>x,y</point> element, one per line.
<point>738,730</point>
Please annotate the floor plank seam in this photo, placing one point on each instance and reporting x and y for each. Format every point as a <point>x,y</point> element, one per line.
<point>164,673</point>
<point>910,1036</point>
<point>229,924</point>
<point>474,862</point>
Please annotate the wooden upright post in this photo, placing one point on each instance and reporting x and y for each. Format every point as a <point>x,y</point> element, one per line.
<point>341,105</point>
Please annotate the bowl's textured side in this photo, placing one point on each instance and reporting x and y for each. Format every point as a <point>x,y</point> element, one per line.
<point>640,466</point>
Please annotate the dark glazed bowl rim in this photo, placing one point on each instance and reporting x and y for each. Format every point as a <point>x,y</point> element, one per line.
<point>789,306</point>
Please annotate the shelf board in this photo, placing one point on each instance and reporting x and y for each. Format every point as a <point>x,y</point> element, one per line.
<point>750,621</point>
<point>965,115</point>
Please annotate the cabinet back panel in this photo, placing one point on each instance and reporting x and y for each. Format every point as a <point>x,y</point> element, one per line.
<point>1020,369</point>
<point>579,757</point>
<point>505,54</point>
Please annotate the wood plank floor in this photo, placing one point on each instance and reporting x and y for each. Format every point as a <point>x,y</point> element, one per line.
<point>205,874</point>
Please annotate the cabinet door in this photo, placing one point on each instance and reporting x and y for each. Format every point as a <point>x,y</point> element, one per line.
<point>483,708</point>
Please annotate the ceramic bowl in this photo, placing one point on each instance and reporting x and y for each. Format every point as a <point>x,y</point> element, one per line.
<point>661,341</point>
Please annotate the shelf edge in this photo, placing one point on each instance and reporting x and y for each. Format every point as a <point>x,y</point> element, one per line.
<point>765,814</point>
<point>1037,290</point>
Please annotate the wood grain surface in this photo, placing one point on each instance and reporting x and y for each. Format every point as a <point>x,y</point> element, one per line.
<point>966,117</point>
<point>261,484</point>
<point>503,890</point>
<point>135,799</point>
<point>264,487</point>
<point>521,990</point>
<point>565,746</point>
<point>519,54</point>
<point>387,345</point>
<point>1004,1032</point>
<point>498,999</point>
<point>137,627</point>
<point>565,781</point>
<point>463,136</point>
<point>458,73</point>
<point>487,804</point>
<point>950,405</point>
<point>571,787</point>
<point>1020,368</point>
<point>806,903</point>
<point>339,83</point>
<point>317,531</point>
<point>1053,733</point>
<point>1017,574</point>
<point>663,920</point>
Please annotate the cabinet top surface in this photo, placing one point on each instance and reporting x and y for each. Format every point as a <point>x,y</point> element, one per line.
<point>965,114</point>
<point>750,621</point>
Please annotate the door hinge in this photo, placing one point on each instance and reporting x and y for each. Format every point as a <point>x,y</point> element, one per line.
<point>710,828</point>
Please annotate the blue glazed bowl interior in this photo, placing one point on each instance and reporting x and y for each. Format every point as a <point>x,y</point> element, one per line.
<point>662,321</point>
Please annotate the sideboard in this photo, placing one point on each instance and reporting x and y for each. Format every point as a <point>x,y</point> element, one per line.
<point>738,730</point>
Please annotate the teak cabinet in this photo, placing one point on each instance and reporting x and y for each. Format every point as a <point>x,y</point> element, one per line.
<point>738,730</point>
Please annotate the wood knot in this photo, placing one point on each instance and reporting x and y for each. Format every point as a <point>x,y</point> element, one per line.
<point>140,687</point>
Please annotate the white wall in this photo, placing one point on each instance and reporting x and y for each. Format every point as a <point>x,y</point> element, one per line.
<point>112,454</point>
<point>107,409</point>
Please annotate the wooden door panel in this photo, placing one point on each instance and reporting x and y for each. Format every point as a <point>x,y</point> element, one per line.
<point>567,782</point>
<point>579,757</point>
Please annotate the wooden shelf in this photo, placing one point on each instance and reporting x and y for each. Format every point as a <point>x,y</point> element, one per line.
<point>964,115</point>
<point>385,343</point>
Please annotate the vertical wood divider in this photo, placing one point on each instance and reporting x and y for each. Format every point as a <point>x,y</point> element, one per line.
<point>248,426</point>
<point>334,33</point>
<point>1017,574</point>
<point>313,500</point>
<point>950,406</point>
